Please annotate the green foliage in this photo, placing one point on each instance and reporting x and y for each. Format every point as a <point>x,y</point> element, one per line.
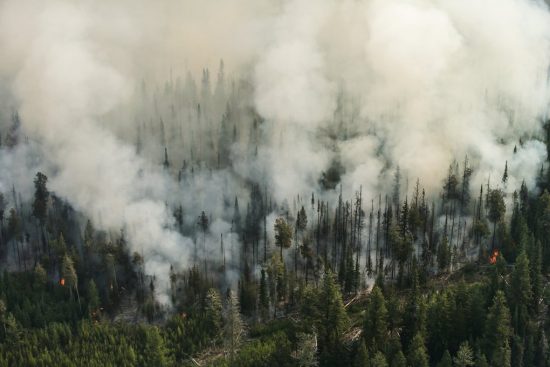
<point>399,360</point>
<point>497,208</point>
<point>521,292</point>
<point>464,356</point>
<point>414,317</point>
<point>296,316</point>
<point>446,360</point>
<point>283,234</point>
<point>233,330</point>
<point>379,360</point>
<point>35,304</point>
<point>14,225</point>
<point>418,355</point>
<point>93,296</point>
<point>68,273</point>
<point>361,358</point>
<point>332,321</point>
<point>306,350</point>
<point>443,255</point>
<point>41,196</point>
<point>375,329</point>
<point>264,296</point>
<point>301,220</point>
<point>213,314</point>
<point>498,332</point>
<point>40,277</point>
<point>88,345</point>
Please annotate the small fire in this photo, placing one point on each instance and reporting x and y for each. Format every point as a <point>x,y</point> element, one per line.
<point>493,258</point>
<point>62,281</point>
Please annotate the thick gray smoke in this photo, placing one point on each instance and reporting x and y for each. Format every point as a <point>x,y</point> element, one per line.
<point>369,84</point>
<point>426,82</point>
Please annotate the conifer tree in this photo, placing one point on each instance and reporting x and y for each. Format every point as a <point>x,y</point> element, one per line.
<point>41,195</point>
<point>399,360</point>
<point>213,314</point>
<point>497,209</point>
<point>481,361</point>
<point>443,255</point>
<point>15,232</point>
<point>446,360</point>
<point>307,350</point>
<point>233,329</point>
<point>379,360</point>
<point>361,358</point>
<point>301,225</point>
<point>154,353</point>
<point>418,355</point>
<point>333,318</point>
<point>536,276</point>
<point>414,317</point>
<point>264,295</point>
<point>498,332</point>
<point>203,224</point>
<point>464,356</point>
<point>521,292</point>
<point>40,276</point>
<point>375,329</point>
<point>283,234</point>
<point>93,296</point>
<point>68,273</point>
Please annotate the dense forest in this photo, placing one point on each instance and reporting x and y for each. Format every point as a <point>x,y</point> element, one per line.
<point>356,183</point>
<point>406,278</point>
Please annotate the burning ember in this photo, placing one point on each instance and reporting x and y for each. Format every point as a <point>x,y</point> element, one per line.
<point>493,258</point>
<point>62,281</point>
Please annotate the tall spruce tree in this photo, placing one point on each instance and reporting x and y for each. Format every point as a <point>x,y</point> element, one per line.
<point>498,332</point>
<point>375,328</point>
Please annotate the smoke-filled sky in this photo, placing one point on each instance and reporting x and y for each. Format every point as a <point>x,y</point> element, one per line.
<point>416,83</point>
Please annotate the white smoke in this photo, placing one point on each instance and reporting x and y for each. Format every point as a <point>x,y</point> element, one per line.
<point>372,84</point>
<point>429,81</point>
<point>64,86</point>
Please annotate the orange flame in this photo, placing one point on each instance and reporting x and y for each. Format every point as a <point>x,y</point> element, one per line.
<point>62,282</point>
<point>493,258</point>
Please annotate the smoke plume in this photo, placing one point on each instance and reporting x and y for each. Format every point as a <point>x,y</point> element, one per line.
<point>363,86</point>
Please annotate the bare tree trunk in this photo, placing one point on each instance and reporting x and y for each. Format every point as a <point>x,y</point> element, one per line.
<point>78,297</point>
<point>16,253</point>
<point>494,233</point>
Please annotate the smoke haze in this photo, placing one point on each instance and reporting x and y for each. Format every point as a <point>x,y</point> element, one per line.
<point>365,85</point>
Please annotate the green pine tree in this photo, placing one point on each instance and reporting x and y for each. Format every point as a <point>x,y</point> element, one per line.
<point>399,360</point>
<point>446,360</point>
<point>213,314</point>
<point>379,360</point>
<point>498,331</point>
<point>375,328</point>
<point>418,355</point>
<point>333,319</point>
<point>361,358</point>
<point>521,292</point>
<point>464,356</point>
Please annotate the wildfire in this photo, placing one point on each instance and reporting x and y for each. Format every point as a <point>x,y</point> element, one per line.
<point>493,258</point>
<point>62,281</point>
